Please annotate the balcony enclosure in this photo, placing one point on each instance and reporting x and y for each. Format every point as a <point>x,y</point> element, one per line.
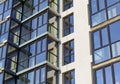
<point>45,22</point>
<point>25,8</point>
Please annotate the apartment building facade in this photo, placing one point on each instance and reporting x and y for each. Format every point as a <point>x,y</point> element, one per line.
<point>59,42</point>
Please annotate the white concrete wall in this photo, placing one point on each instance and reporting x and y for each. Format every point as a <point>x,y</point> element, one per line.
<point>82,64</point>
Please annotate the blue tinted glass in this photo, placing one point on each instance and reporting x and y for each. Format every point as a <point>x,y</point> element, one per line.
<point>98,18</point>
<point>114,11</point>
<point>44,44</point>
<point>110,2</point>
<point>37,77</point>
<point>1,78</point>
<point>108,75</point>
<point>43,4</point>
<point>96,38</point>
<point>42,74</point>
<point>102,54</point>
<point>99,77</point>
<point>116,49</point>
<point>31,77</point>
<point>4,51</point>
<point>115,31</point>
<point>32,49</point>
<point>101,4</point>
<point>39,47</point>
<point>105,36</point>
<point>94,6</point>
<point>41,58</point>
<point>45,18</point>
<point>31,61</point>
<point>1,8</point>
<point>117,73</point>
<point>42,29</point>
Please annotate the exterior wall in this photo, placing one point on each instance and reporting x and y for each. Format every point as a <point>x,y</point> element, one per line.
<point>83,59</point>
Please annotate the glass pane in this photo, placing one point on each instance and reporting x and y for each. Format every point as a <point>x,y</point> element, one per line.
<point>41,57</point>
<point>105,40</point>
<point>0,52</point>
<point>115,31</point>
<point>98,18</point>
<point>96,39</point>
<point>108,75</point>
<point>94,6</point>
<point>110,2</point>
<point>44,44</point>
<point>1,78</point>
<point>45,18</point>
<point>31,62</point>
<point>116,49</point>
<point>39,47</point>
<point>31,78</point>
<point>43,74</point>
<point>99,77</point>
<point>32,49</point>
<point>37,79</point>
<point>114,11</point>
<point>1,8</point>
<point>101,4</point>
<point>4,51</point>
<point>117,73</point>
<point>102,54</point>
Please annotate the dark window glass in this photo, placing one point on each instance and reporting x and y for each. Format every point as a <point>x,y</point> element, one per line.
<point>68,25</point>
<point>115,31</point>
<point>41,58</point>
<point>117,72</point>
<point>68,49</point>
<point>67,4</point>
<point>96,39</point>
<point>69,77</point>
<point>108,75</point>
<point>99,77</point>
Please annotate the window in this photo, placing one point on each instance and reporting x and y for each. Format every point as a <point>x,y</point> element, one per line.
<point>98,18</point>
<point>68,25</point>
<point>106,42</point>
<point>108,74</point>
<point>3,50</point>
<point>69,77</point>
<point>35,77</point>
<point>67,4</point>
<point>68,49</point>
<point>100,11</point>
<point>115,31</point>
<point>33,53</point>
